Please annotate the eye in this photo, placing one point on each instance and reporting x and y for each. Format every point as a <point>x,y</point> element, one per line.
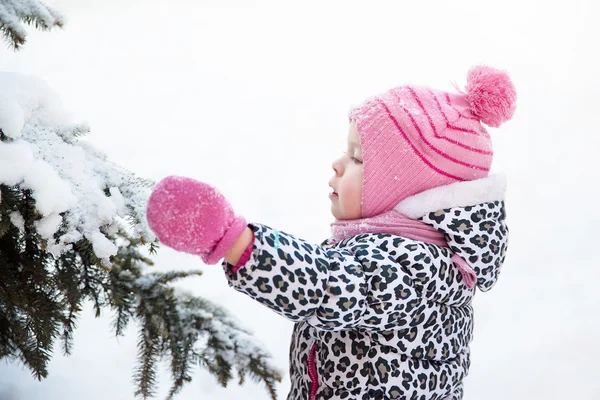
<point>356,160</point>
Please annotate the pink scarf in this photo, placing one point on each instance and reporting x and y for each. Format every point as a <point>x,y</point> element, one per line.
<point>391,222</point>
<point>394,223</point>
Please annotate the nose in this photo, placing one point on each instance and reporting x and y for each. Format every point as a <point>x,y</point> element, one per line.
<point>338,167</point>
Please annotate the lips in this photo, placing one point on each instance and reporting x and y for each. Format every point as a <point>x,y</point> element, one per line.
<point>334,193</point>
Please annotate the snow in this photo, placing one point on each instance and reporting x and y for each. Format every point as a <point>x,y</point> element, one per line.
<point>17,219</point>
<point>256,104</point>
<point>51,193</point>
<point>13,118</point>
<point>48,225</point>
<point>15,159</point>
<point>119,201</point>
<point>103,247</point>
<point>64,174</point>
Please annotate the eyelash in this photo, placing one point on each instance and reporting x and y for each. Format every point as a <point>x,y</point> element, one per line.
<point>356,160</point>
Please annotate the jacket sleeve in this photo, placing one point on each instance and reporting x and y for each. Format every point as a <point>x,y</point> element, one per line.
<point>332,289</point>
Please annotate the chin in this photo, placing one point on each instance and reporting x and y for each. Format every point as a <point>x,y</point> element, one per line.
<point>335,213</point>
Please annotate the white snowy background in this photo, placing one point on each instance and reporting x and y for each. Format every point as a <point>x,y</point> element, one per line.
<point>252,96</point>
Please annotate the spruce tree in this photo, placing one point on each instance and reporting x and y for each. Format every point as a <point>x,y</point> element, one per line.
<point>73,230</point>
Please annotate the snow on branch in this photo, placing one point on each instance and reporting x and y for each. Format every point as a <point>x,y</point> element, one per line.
<point>78,192</point>
<point>63,207</point>
<point>13,13</point>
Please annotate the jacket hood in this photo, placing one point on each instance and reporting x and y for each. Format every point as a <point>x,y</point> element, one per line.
<point>472,217</point>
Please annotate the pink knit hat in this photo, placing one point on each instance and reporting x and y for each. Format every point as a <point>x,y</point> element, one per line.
<point>414,138</point>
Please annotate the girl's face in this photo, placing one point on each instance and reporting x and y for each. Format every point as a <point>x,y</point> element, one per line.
<point>347,182</point>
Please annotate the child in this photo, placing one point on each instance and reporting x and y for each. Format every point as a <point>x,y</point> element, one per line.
<point>383,308</point>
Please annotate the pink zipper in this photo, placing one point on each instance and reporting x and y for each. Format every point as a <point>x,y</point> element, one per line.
<point>312,371</point>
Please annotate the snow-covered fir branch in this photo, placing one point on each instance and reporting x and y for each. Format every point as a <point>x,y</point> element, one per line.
<point>63,207</point>
<point>15,13</point>
<point>75,187</point>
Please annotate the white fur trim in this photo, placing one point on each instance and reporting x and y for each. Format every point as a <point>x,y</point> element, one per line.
<point>460,194</point>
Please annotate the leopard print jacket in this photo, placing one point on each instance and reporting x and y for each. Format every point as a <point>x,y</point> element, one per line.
<point>385,317</point>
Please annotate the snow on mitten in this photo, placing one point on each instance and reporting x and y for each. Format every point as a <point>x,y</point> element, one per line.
<point>193,217</point>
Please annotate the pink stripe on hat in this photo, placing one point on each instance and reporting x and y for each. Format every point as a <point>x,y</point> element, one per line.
<point>414,139</point>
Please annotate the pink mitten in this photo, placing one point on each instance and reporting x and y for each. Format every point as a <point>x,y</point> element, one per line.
<point>193,217</point>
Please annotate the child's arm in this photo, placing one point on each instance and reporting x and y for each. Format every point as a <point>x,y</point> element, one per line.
<point>331,289</point>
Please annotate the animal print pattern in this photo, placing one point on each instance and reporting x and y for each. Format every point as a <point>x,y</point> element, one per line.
<point>479,235</point>
<point>391,318</point>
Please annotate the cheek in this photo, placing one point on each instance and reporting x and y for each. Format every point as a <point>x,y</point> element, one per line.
<point>352,193</point>
<point>353,190</point>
